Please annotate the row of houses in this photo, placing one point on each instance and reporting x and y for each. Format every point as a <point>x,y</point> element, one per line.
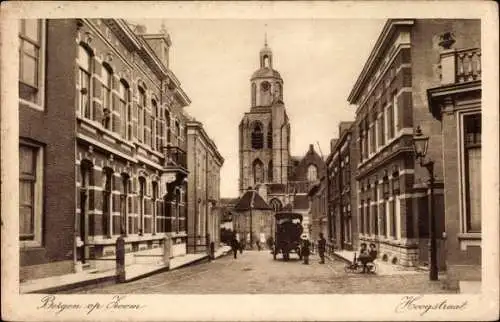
<point>423,74</point>
<point>106,148</point>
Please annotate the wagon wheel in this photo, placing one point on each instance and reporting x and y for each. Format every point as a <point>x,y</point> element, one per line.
<point>359,268</point>
<point>348,268</point>
<point>372,267</point>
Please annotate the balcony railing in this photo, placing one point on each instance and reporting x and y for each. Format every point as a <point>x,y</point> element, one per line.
<point>175,157</point>
<point>460,66</point>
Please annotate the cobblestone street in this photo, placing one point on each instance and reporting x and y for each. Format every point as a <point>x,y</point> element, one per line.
<point>257,272</point>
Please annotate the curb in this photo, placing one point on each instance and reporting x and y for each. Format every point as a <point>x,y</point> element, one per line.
<point>339,257</point>
<point>106,280</point>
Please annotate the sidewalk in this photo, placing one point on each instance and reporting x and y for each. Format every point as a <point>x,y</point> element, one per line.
<point>383,268</point>
<point>133,272</point>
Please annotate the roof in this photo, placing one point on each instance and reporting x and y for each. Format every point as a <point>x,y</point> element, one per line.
<point>251,200</point>
<point>376,54</point>
<point>266,72</point>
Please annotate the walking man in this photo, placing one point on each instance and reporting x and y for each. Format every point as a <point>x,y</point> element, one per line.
<point>234,246</point>
<point>306,250</point>
<point>321,248</point>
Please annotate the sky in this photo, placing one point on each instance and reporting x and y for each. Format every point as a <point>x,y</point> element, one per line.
<point>318,59</point>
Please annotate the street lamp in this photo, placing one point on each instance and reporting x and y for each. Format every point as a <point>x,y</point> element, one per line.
<point>420,145</point>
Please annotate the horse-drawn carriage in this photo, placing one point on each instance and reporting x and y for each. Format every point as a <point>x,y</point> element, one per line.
<point>288,232</point>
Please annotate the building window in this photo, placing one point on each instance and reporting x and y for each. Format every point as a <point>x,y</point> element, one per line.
<point>258,171</point>
<point>178,132</point>
<point>360,142</point>
<point>125,111</point>
<point>31,56</point>
<point>107,78</point>
<point>270,171</point>
<point>84,68</point>
<point>141,106</point>
<point>124,204</point>
<point>156,129</point>
<point>312,173</point>
<point>366,137</point>
<point>390,122</point>
<point>30,194</point>
<point>153,125</point>
<point>254,94</point>
<point>276,204</point>
<point>394,123</point>
<point>142,193</point>
<point>380,130</point>
<point>107,202</point>
<point>472,165</point>
<point>168,125</point>
<point>257,136</point>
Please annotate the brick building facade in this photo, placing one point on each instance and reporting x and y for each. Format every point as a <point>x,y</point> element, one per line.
<point>204,164</point>
<point>342,199</point>
<point>110,128</point>
<point>456,103</point>
<point>46,147</point>
<point>390,98</point>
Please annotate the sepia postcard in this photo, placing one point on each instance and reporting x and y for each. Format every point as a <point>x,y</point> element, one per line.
<point>249,161</point>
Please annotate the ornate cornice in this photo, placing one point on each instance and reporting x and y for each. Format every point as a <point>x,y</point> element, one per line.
<point>388,31</point>
<point>443,96</point>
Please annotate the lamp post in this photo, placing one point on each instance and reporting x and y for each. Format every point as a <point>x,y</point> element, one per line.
<point>420,145</point>
<point>251,219</point>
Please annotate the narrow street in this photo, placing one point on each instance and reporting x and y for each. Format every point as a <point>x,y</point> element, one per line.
<point>256,272</point>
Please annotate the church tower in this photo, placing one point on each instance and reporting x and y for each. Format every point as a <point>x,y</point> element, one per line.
<point>264,131</point>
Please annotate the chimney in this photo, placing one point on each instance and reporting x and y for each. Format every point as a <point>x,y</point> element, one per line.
<point>140,29</point>
<point>311,147</point>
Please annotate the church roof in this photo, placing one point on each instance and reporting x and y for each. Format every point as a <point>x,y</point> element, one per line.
<point>251,200</point>
<point>266,72</point>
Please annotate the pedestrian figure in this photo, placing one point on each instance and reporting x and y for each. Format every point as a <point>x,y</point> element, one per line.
<point>258,245</point>
<point>234,246</point>
<point>242,246</point>
<point>364,256</point>
<point>321,248</point>
<point>306,250</point>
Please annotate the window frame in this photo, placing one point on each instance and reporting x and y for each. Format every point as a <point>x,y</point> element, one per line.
<point>141,108</point>
<point>309,168</point>
<point>38,195</point>
<point>88,73</point>
<point>464,177</point>
<point>107,97</point>
<point>39,103</point>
